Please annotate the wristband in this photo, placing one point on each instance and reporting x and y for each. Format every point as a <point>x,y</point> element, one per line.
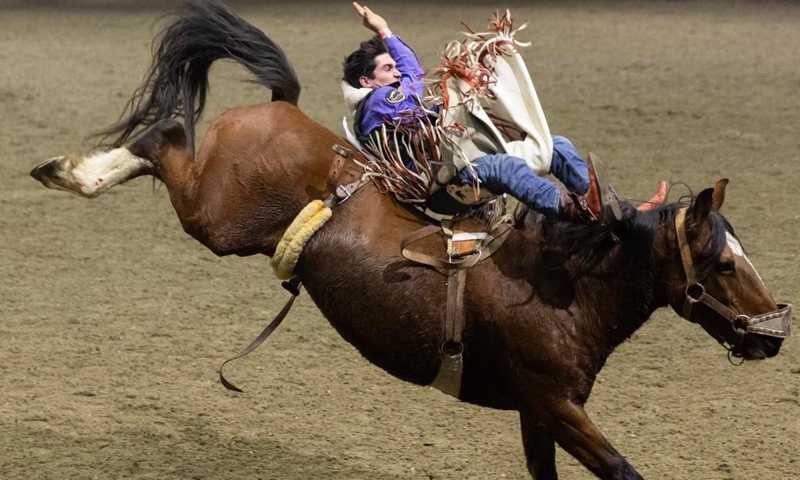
<point>385,33</point>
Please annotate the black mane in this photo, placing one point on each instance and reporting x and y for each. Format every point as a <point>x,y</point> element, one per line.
<point>588,248</point>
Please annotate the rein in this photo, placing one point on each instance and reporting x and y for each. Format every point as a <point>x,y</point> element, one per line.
<point>302,228</point>
<point>776,323</point>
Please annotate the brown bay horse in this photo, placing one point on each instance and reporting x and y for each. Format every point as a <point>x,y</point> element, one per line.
<point>543,313</point>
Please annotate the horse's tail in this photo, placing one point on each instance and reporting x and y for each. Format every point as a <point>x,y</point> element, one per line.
<point>176,84</point>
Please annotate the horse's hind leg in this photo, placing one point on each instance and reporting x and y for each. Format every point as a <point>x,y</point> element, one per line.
<point>92,175</point>
<point>540,450</point>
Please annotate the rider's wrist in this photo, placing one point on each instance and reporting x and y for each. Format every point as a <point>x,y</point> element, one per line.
<point>385,33</point>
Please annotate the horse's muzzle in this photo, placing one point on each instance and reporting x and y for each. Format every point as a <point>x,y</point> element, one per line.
<point>764,334</point>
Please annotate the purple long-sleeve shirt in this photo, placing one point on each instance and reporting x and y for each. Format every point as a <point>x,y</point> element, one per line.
<point>385,103</point>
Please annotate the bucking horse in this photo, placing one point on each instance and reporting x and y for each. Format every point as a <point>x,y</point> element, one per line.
<point>542,313</point>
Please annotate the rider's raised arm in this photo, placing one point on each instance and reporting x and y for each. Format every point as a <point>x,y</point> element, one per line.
<point>408,65</point>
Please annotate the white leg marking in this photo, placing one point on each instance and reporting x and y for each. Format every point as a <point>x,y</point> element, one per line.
<point>90,176</point>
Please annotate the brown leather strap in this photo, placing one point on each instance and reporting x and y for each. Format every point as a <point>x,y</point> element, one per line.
<point>686,259</point>
<point>683,244</point>
<point>341,194</point>
<point>293,286</point>
<point>455,319</point>
<point>492,243</point>
<point>429,260</point>
<point>717,306</point>
<point>334,172</point>
<point>456,271</point>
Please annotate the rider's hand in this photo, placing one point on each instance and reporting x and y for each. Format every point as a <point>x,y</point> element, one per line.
<point>373,21</point>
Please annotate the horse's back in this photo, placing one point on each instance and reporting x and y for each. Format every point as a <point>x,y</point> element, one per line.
<point>264,127</point>
<point>249,157</point>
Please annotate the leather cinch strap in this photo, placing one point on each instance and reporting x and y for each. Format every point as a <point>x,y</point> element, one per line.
<point>454,325</point>
<point>448,379</point>
<point>451,368</point>
<point>493,242</point>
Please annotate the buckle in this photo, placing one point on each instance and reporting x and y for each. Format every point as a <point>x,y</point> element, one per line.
<point>452,348</point>
<point>340,150</point>
<point>342,194</point>
<point>694,292</point>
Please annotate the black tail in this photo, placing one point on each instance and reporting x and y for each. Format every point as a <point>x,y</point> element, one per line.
<point>177,83</point>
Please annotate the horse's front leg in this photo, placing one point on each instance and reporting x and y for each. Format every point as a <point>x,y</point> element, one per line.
<point>571,428</point>
<point>540,449</point>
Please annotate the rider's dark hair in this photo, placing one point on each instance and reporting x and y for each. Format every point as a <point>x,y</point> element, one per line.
<point>361,63</point>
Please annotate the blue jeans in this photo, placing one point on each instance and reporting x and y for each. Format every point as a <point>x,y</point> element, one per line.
<point>502,173</point>
<point>568,166</point>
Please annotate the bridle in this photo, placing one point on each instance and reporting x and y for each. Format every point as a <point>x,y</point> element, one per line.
<point>776,323</point>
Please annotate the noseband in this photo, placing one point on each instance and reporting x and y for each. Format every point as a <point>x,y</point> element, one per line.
<point>777,323</point>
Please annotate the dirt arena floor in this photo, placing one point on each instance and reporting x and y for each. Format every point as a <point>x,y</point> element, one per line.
<point>113,322</point>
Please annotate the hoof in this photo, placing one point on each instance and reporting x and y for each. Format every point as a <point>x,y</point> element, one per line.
<point>47,171</point>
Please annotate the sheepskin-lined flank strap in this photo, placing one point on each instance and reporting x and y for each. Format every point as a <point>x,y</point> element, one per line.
<point>305,225</point>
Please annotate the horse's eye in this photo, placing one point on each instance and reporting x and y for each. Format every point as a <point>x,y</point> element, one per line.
<point>726,268</point>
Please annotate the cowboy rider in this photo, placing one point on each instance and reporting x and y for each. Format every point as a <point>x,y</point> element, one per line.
<point>387,80</point>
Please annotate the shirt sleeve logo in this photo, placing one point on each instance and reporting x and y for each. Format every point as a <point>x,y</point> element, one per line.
<point>395,96</point>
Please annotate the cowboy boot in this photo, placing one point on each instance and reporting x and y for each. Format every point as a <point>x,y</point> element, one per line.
<point>586,208</point>
<point>601,197</point>
<point>594,198</point>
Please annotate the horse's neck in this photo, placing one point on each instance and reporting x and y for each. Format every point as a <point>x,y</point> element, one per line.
<point>618,293</point>
<point>635,276</point>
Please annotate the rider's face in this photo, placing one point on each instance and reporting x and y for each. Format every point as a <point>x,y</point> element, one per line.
<point>385,73</point>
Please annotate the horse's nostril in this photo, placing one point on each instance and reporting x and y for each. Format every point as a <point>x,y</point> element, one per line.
<point>762,348</point>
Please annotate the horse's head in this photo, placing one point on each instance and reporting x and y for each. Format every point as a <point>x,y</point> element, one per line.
<point>719,288</point>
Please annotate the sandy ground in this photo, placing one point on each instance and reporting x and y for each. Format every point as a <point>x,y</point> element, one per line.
<point>113,321</point>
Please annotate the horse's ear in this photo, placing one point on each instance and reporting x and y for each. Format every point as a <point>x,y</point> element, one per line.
<point>719,194</point>
<point>709,200</point>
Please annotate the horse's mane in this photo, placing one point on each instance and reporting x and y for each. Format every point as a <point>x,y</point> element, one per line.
<point>608,249</point>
